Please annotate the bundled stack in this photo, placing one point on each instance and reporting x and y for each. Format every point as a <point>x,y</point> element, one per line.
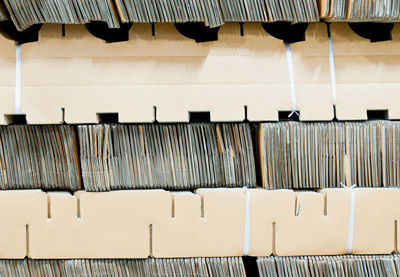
<point>199,267</point>
<point>26,13</point>
<point>302,155</point>
<point>144,11</point>
<point>338,266</point>
<point>360,10</point>
<point>321,155</point>
<point>214,13</point>
<point>269,11</point>
<point>39,157</point>
<point>182,156</point>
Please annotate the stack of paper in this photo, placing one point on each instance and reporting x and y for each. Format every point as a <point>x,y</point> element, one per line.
<point>179,156</point>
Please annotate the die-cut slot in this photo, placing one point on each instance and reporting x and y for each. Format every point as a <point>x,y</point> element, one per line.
<point>78,207</point>
<point>48,207</point>
<point>296,206</point>
<point>27,240</point>
<point>202,206</point>
<point>377,114</point>
<point>151,240</point>
<point>107,117</point>
<point>396,250</point>
<point>273,238</point>
<point>199,117</point>
<point>63,116</point>
<point>172,206</point>
<point>15,119</point>
<point>289,116</point>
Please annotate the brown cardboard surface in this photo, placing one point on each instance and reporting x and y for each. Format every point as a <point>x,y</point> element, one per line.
<point>288,223</point>
<point>376,215</point>
<point>85,75</point>
<point>110,225</point>
<point>212,222</point>
<point>20,210</point>
<point>367,73</point>
<point>7,77</point>
<point>215,226</point>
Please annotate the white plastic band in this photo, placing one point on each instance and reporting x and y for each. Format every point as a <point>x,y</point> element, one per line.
<point>18,80</point>
<point>332,70</point>
<point>291,78</point>
<point>246,243</point>
<point>351,220</point>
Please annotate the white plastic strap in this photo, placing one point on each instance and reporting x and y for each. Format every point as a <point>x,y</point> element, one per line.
<point>18,80</point>
<point>351,220</point>
<point>332,70</point>
<point>291,78</point>
<point>246,243</point>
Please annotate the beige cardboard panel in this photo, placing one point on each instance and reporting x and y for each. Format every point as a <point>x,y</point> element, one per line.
<point>78,42</point>
<point>375,213</point>
<point>314,102</point>
<point>181,70</point>
<point>7,102</point>
<point>7,70</point>
<point>85,76</point>
<point>7,77</point>
<point>116,224</point>
<point>347,43</point>
<point>266,209</point>
<point>311,57</point>
<point>211,223</point>
<point>353,100</point>
<point>135,103</point>
<point>367,73</point>
<point>20,210</point>
<point>364,69</point>
<point>315,227</point>
<point>111,225</point>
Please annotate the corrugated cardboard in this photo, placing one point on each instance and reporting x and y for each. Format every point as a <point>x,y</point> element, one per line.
<point>85,76</point>
<point>212,222</point>
<point>367,73</point>
<point>375,220</point>
<point>288,223</point>
<point>7,77</point>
